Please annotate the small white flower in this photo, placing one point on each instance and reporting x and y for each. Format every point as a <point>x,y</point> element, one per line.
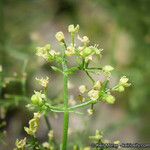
<point>73,29</point>
<point>124,81</point>
<point>93,94</point>
<point>60,36</point>
<point>43,82</point>
<point>70,51</point>
<point>84,40</point>
<point>82,88</point>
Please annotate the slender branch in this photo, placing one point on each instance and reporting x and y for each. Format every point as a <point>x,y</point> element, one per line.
<point>82,105</point>
<point>90,77</point>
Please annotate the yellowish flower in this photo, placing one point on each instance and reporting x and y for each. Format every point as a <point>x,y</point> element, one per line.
<point>60,36</point>
<point>20,144</point>
<point>73,29</point>
<point>33,124</point>
<point>70,51</point>
<point>43,82</point>
<point>93,94</point>
<point>124,81</point>
<point>43,51</point>
<point>84,40</point>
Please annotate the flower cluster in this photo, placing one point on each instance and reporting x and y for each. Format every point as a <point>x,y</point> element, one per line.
<point>33,124</point>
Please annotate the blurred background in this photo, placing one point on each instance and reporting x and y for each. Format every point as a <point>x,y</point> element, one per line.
<point>120,27</point>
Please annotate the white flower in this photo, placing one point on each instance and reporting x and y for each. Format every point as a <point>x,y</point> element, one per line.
<point>73,29</point>
<point>124,81</point>
<point>43,82</point>
<point>60,36</point>
<point>82,88</point>
<point>84,40</point>
<point>93,94</point>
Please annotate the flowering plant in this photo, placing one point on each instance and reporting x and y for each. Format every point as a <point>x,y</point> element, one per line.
<point>100,91</point>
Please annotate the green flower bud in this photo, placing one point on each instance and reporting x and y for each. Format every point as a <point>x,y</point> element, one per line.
<point>120,88</point>
<point>109,99</point>
<point>86,52</point>
<point>38,98</point>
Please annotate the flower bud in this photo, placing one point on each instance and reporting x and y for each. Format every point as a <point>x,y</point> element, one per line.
<point>86,52</point>
<point>37,98</point>
<point>60,36</point>
<point>110,99</point>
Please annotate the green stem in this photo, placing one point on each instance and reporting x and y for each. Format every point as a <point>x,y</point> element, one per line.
<point>66,113</point>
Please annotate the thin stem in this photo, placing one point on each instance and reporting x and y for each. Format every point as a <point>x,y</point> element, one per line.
<point>66,113</point>
<point>82,104</point>
<point>90,77</point>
